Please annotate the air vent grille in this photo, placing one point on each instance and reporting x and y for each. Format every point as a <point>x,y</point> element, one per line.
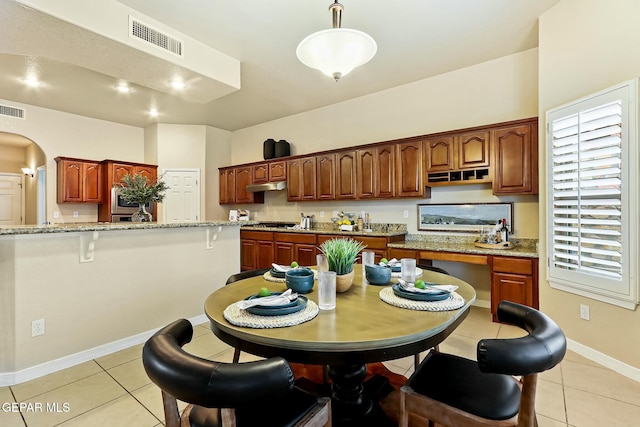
<point>144,32</point>
<point>6,110</point>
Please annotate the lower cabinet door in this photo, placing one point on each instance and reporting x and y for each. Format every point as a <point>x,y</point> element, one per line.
<point>305,255</point>
<point>265,254</point>
<point>247,255</point>
<point>511,287</point>
<point>284,253</point>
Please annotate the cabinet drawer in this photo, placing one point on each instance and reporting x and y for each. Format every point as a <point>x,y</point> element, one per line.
<point>403,253</point>
<point>455,256</point>
<point>256,235</point>
<point>513,265</point>
<point>295,238</point>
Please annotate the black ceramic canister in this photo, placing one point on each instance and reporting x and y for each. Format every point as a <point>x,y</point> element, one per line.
<point>282,148</point>
<point>269,149</point>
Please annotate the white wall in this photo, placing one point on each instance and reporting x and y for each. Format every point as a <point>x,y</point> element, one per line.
<point>218,154</point>
<point>587,46</point>
<point>70,135</point>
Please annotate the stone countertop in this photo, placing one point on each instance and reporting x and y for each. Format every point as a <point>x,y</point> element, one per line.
<point>379,230</point>
<point>109,226</point>
<point>526,248</point>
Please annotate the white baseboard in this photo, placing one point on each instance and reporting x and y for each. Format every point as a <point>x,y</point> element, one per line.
<point>604,360</point>
<point>12,378</point>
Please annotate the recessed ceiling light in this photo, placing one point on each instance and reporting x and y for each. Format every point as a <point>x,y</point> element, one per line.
<point>153,112</point>
<point>123,88</point>
<point>31,82</point>
<point>177,84</point>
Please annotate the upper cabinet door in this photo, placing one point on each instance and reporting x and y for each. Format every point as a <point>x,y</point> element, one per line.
<point>409,175</point>
<point>473,150</point>
<point>366,173</point>
<point>70,181</point>
<point>385,177</point>
<point>346,175</point>
<point>227,184</point>
<point>277,171</point>
<point>440,154</point>
<point>243,178</point>
<point>301,179</point>
<point>119,171</point>
<point>326,180</point>
<point>516,154</point>
<point>260,173</point>
<point>92,191</point>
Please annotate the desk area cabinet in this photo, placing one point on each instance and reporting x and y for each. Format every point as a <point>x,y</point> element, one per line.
<point>512,278</point>
<point>79,181</point>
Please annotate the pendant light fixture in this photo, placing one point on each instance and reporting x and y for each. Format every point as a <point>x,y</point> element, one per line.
<point>338,50</point>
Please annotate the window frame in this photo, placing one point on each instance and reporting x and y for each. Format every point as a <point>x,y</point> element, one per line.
<point>580,282</point>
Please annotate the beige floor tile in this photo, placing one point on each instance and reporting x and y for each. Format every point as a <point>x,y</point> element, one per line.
<point>549,422</point>
<point>130,375</point>
<point>602,381</point>
<point>592,410</point>
<point>478,325</point>
<point>460,345</point>
<point>11,419</point>
<point>205,345</point>
<point>6,395</point>
<point>575,357</point>
<point>80,396</point>
<point>119,357</point>
<point>550,401</point>
<point>124,411</point>
<point>554,375</point>
<point>151,398</point>
<point>201,329</point>
<point>510,331</point>
<point>52,381</point>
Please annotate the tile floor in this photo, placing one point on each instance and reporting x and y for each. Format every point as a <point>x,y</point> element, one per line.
<point>115,391</point>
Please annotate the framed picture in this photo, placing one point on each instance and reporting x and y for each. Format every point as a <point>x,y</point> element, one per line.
<point>463,217</point>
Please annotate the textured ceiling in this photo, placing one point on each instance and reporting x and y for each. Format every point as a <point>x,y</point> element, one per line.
<point>416,39</point>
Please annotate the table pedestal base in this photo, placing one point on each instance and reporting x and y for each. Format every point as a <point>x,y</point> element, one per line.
<point>354,402</point>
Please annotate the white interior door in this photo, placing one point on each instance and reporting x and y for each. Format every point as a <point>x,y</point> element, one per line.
<point>11,199</point>
<point>41,190</point>
<point>182,199</point>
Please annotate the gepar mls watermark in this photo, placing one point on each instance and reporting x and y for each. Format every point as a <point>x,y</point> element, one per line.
<point>36,407</point>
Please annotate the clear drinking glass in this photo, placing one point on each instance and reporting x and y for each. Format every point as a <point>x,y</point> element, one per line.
<point>367,259</point>
<point>408,269</point>
<point>327,290</point>
<point>321,263</point>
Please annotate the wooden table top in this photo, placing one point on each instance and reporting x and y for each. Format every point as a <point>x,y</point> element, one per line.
<point>360,324</point>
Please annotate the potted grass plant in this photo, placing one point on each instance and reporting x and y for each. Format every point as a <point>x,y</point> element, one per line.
<point>136,190</point>
<point>342,254</point>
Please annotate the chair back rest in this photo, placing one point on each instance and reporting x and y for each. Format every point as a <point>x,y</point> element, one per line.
<point>246,275</point>
<point>208,383</point>
<point>543,348</point>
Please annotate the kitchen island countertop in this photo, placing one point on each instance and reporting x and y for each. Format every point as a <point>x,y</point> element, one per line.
<point>109,226</point>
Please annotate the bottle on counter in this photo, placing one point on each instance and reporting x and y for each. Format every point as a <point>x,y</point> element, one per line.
<point>360,223</point>
<point>504,231</point>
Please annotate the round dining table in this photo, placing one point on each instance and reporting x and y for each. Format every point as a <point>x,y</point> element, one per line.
<point>361,329</point>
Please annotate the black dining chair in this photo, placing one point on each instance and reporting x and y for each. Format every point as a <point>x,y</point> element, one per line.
<point>455,391</point>
<point>259,393</point>
<point>234,278</point>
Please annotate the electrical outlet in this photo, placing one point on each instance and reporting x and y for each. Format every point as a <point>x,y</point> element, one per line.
<point>321,214</point>
<point>37,327</point>
<point>584,312</point>
<point>56,214</point>
<point>405,213</point>
<point>75,214</point>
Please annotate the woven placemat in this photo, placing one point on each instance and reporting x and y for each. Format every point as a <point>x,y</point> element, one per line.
<point>240,317</point>
<point>454,302</point>
<point>269,278</point>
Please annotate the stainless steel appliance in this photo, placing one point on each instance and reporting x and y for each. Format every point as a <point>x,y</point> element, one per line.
<point>120,218</point>
<point>120,206</point>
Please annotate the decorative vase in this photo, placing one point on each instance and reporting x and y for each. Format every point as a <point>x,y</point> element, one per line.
<point>344,282</point>
<point>142,215</point>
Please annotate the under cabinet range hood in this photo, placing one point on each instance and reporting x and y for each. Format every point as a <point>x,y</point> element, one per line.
<point>267,186</point>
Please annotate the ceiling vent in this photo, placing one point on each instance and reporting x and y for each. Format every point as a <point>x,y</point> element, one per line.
<point>141,31</point>
<point>8,111</point>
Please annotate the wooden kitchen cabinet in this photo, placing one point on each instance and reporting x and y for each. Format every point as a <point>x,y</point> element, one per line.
<point>79,181</point>
<point>515,149</point>
<point>301,179</point>
<point>227,186</point>
<point>299,247</point>
<point>409,170</point>
<point>375,172</point>
<point>278,171</point>
<point>326,176</point>
<point>346,175</point>
<point>513,279</point>
<point>256,249</point>
<point>260,173</point>
<point>244,177</point>
<point>458,158</point>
